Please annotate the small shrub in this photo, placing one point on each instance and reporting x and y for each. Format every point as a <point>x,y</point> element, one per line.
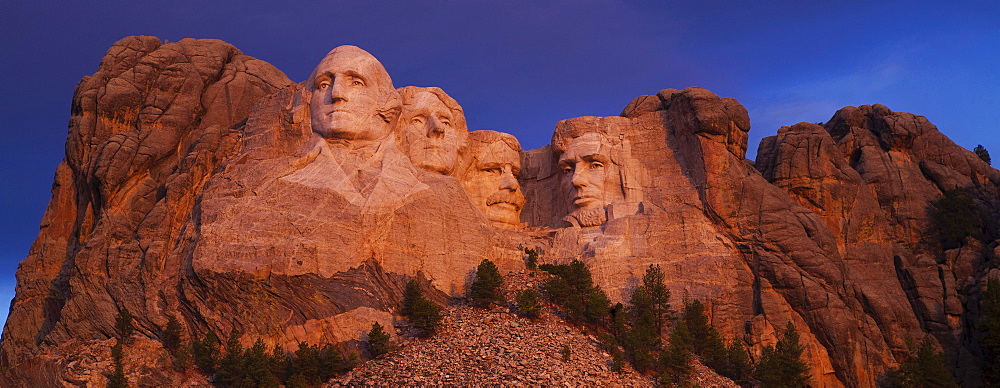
<point>566,353</point>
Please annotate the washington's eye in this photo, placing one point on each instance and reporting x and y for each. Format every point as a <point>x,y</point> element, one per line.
<point>357,82</point>
<point>324,84</point>
<point>417,120</point>
<point>494,170</point>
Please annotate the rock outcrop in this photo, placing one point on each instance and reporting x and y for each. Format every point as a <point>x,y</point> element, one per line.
<point>202,183</point>
<point>146,132</point>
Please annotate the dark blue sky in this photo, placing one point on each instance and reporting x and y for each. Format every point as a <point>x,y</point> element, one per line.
<point>520,66</point>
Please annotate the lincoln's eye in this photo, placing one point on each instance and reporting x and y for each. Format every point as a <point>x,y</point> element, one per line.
<point>596,165</point>
<point>567,169</point>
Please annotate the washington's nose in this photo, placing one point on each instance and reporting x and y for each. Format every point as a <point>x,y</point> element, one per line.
<point>434,127</point>
<point>336,92</point>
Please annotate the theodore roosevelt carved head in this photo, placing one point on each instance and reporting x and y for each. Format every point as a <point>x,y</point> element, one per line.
<point>490,176</point>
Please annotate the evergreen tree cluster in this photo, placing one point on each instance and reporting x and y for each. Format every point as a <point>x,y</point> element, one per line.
<point>982,153</point>
<point>574,290</point>
<point>256,366</point>
<point>989,325</point>
<point>488,286</point>
<point>730,360</point>
<point>781,365</point>
<point>925,367</point>
<point>424,313</point>
<point>956,217</point>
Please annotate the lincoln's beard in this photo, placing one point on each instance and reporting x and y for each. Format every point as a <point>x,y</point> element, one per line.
<point>588,217</point>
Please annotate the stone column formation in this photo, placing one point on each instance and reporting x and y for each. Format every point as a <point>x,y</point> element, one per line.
<point>202,183</point>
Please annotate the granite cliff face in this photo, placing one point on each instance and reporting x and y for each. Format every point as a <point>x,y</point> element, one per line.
<point>203,183</point>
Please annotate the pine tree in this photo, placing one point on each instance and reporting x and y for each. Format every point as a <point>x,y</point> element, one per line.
<point>925,367</point>
<point>782,365</point>
<point>528,303</point>
<point>989,325</point>
<point>171,337</point>
<point>487,287</point>
<point>257,369</point>
<point>982,153</point>
<point>425,314</point>
<point>675,362</point>
<point>573,288</point>
<point>531,260</point>
<point>206,352</point>
<point>706,341</point>
<point>648,311</point>
<point>956,217</point>
<point>737,366</point>
<point>231,365</point>
<point>118,378</point>
<point>123,324</point>
<point>378,340</point>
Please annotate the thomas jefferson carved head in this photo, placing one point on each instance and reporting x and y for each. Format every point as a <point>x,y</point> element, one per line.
<point>590,170</point>
<point>490,177</point>
<point>352,97</point>
<point>432,129</point>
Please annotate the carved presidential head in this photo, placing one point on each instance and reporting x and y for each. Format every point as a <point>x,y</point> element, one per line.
<point>352,97</point>
<point>590,165</point>
<point>490,176</point>
<point>431,129</point>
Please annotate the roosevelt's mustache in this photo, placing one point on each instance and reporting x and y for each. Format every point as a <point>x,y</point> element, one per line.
<point>504,196</point>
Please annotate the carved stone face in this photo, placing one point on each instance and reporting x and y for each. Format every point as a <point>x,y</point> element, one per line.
<point>589,177</point>
<point>429,133</point>
<point>350,93</point>
<point>491,182</point>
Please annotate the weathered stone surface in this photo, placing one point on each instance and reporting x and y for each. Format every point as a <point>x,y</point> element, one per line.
<point>805,161</point>
<point>203,183</point>
<point>146,132</point>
